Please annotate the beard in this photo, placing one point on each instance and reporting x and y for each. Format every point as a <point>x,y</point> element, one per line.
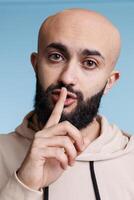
<point>81,116</point>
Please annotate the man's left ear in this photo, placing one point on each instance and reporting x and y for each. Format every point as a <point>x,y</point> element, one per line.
<point>114,76</point>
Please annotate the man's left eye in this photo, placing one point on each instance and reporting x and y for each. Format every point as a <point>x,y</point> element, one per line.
<point>55,57</point>
<point>89,64</point>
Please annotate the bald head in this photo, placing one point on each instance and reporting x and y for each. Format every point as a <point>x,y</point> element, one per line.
<point>83,25</point>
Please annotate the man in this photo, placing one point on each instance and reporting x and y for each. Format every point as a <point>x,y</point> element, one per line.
<point>64,150</point>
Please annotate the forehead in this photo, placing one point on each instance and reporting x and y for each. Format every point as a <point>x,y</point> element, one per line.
<point>78,32</point>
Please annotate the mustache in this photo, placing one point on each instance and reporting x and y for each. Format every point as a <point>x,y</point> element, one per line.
<point>69,88</point>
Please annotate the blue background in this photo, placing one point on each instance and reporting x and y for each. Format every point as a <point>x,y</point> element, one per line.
<point>19,24</point>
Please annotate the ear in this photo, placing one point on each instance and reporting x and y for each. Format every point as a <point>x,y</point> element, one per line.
<point>34,57</point>
<point>114,76</point>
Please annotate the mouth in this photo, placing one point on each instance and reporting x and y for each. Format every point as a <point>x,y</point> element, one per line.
<point>70,98</point>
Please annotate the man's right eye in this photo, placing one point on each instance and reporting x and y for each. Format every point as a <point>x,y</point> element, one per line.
<point>55,57</point>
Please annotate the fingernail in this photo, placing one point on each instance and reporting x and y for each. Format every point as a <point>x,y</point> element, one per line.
<point>63,89</point>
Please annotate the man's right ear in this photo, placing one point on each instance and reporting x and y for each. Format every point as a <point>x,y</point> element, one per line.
<point>34,60</point>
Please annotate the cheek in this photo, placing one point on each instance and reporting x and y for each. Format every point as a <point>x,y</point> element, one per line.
<point>93,84</point>
<point>47,76</point>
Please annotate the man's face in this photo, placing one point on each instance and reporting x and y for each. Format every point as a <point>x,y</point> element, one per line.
<point>75,55</point>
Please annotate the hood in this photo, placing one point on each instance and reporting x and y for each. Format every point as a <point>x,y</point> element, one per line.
<point>111,143</point>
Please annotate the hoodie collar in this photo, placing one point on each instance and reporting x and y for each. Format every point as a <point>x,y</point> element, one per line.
<point>112,142</point>
<point>24,129</point>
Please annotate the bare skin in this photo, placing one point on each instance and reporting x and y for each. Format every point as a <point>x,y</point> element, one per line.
<point>57,145</point>
<point>53,149</point>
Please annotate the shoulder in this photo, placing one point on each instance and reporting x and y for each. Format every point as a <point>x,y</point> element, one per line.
<point>13,149</point>
<point>12,143</point>
<point>8,138</point>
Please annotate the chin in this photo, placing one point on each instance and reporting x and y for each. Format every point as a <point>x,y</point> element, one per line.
<point>70,108</point>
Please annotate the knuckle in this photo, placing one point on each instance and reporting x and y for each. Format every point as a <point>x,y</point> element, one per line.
<point>66,140</point>
<point>38,134</point>
<point>69,147</point>
<point>74,154</point>
<point>57,152</point>
<point>78,138</point>
<point>64,158</point>
<point>66,123</point>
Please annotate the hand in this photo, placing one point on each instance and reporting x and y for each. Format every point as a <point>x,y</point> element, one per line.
<point>52,150</point>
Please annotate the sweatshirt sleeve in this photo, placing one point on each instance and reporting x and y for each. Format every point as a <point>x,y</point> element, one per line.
<point>15,189</point>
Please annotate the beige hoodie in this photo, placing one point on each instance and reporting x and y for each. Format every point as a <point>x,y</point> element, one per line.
<point>105,170</point>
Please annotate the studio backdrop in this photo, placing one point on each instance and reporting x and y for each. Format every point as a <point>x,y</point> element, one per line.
<point>19,24</point>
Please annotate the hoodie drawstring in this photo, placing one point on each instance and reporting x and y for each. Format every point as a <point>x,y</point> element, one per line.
<point>46,193</point>
<point>93,177</point>
<point>95,186</point>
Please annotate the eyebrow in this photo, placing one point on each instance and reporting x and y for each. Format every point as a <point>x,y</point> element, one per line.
<point>58,46</point>
<point>89,52</point>
<point>86,52</point>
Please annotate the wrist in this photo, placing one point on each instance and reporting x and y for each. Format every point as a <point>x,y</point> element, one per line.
<point>29,184</point>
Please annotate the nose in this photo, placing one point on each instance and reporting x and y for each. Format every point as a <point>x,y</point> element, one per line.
<point>68,75</point>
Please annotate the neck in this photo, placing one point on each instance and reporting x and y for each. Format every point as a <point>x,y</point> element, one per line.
<point>91,132</point>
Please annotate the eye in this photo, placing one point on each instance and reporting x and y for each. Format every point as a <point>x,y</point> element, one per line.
<point>55,57</point>
<point>89,64</point>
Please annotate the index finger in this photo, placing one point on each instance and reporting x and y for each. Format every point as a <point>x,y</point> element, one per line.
<point>57,111</point>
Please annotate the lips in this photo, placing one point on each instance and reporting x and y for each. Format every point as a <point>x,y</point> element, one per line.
<point>70,99</point>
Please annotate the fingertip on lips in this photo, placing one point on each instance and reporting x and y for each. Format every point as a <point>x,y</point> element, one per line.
<point>64,92</point>
<point>63,89</point>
